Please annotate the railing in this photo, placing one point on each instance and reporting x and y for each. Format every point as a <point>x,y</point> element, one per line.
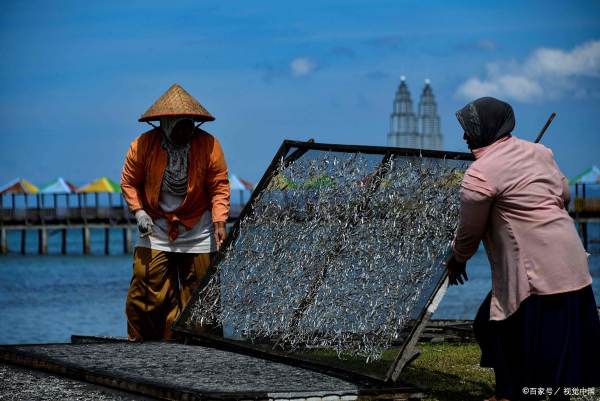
<point>26,209</point>
<point>46,213</point>
<point>106,210</point>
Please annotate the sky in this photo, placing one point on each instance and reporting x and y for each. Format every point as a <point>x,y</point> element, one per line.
<point>75,76</point>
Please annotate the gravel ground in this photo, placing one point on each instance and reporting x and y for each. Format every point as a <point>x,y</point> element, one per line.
<point>21,384</point>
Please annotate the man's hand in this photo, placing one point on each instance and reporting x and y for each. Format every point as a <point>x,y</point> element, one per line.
<point>144,223</point>
<point>220,233</point>
<point>457,271</point>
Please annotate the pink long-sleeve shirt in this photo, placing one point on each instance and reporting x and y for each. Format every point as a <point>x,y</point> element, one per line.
<point>512,198</point>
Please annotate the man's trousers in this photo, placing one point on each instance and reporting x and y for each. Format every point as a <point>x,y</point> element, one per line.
<point>161,286</point>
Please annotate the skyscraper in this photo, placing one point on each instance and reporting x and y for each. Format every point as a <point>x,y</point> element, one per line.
<point>408,130</point>
<point>403,122</point>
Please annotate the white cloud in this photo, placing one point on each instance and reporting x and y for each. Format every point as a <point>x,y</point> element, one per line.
<point>520,87</point>
<point>504,86</point>
<point>302,66</point>
<point>546,73</point>
<point>476,88</point>
<point>584,60</point>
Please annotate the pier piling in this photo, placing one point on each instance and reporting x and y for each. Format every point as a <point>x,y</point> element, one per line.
<point>106,240</point>
<point>42,241</point>
<point>86,240</point>
<point>23,241</point>
<point>63,241</point>
<point>3,241</point>
<point>126,240</point>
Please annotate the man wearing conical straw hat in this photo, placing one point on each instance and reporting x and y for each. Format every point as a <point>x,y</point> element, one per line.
<point>175,182</point>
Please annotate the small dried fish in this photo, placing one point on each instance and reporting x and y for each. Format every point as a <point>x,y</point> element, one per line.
<point>340,253</point>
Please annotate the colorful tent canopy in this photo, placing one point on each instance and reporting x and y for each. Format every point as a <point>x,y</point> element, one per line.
<point>102,184</point>
<point>59,186</point>
<point>237,183</point>
<point>19,185</point>
<point>589,176</point>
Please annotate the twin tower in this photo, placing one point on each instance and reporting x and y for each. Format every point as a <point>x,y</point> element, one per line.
<point>410,130</point>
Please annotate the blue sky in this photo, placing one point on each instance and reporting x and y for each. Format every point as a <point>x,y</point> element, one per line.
<point>76,76</point>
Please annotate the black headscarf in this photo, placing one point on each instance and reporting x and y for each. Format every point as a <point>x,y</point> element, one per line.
<point>486,120</point>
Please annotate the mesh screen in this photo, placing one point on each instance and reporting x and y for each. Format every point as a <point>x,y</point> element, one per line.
<point>341,252</point>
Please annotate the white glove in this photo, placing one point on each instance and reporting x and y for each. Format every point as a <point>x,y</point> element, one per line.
<point>144,223</point>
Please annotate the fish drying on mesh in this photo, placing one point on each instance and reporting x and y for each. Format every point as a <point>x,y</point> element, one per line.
<point>338,253</point>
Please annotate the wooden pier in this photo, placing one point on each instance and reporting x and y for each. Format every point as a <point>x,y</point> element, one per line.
<point>51,213</point>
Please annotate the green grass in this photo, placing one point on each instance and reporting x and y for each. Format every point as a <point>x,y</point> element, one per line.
<point>451,371</point>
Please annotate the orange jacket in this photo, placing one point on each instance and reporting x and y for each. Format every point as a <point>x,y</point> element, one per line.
<point>208,186</point>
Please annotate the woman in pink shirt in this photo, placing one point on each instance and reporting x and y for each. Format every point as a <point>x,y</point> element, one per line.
<point>539,326</point>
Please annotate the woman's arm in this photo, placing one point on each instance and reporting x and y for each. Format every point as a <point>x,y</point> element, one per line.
<point>476,196</point>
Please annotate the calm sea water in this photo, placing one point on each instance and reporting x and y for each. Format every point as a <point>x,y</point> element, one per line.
<point>47,298</point>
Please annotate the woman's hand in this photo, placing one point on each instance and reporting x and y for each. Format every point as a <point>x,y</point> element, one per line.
<point>457,271</point>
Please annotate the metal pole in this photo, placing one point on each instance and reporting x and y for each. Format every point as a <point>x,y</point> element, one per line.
<point>541,134</point>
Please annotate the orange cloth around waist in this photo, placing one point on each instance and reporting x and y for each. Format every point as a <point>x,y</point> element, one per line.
<point>208,185</point>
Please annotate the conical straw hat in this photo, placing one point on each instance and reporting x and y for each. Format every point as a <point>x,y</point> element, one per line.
<point>176,102</point>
